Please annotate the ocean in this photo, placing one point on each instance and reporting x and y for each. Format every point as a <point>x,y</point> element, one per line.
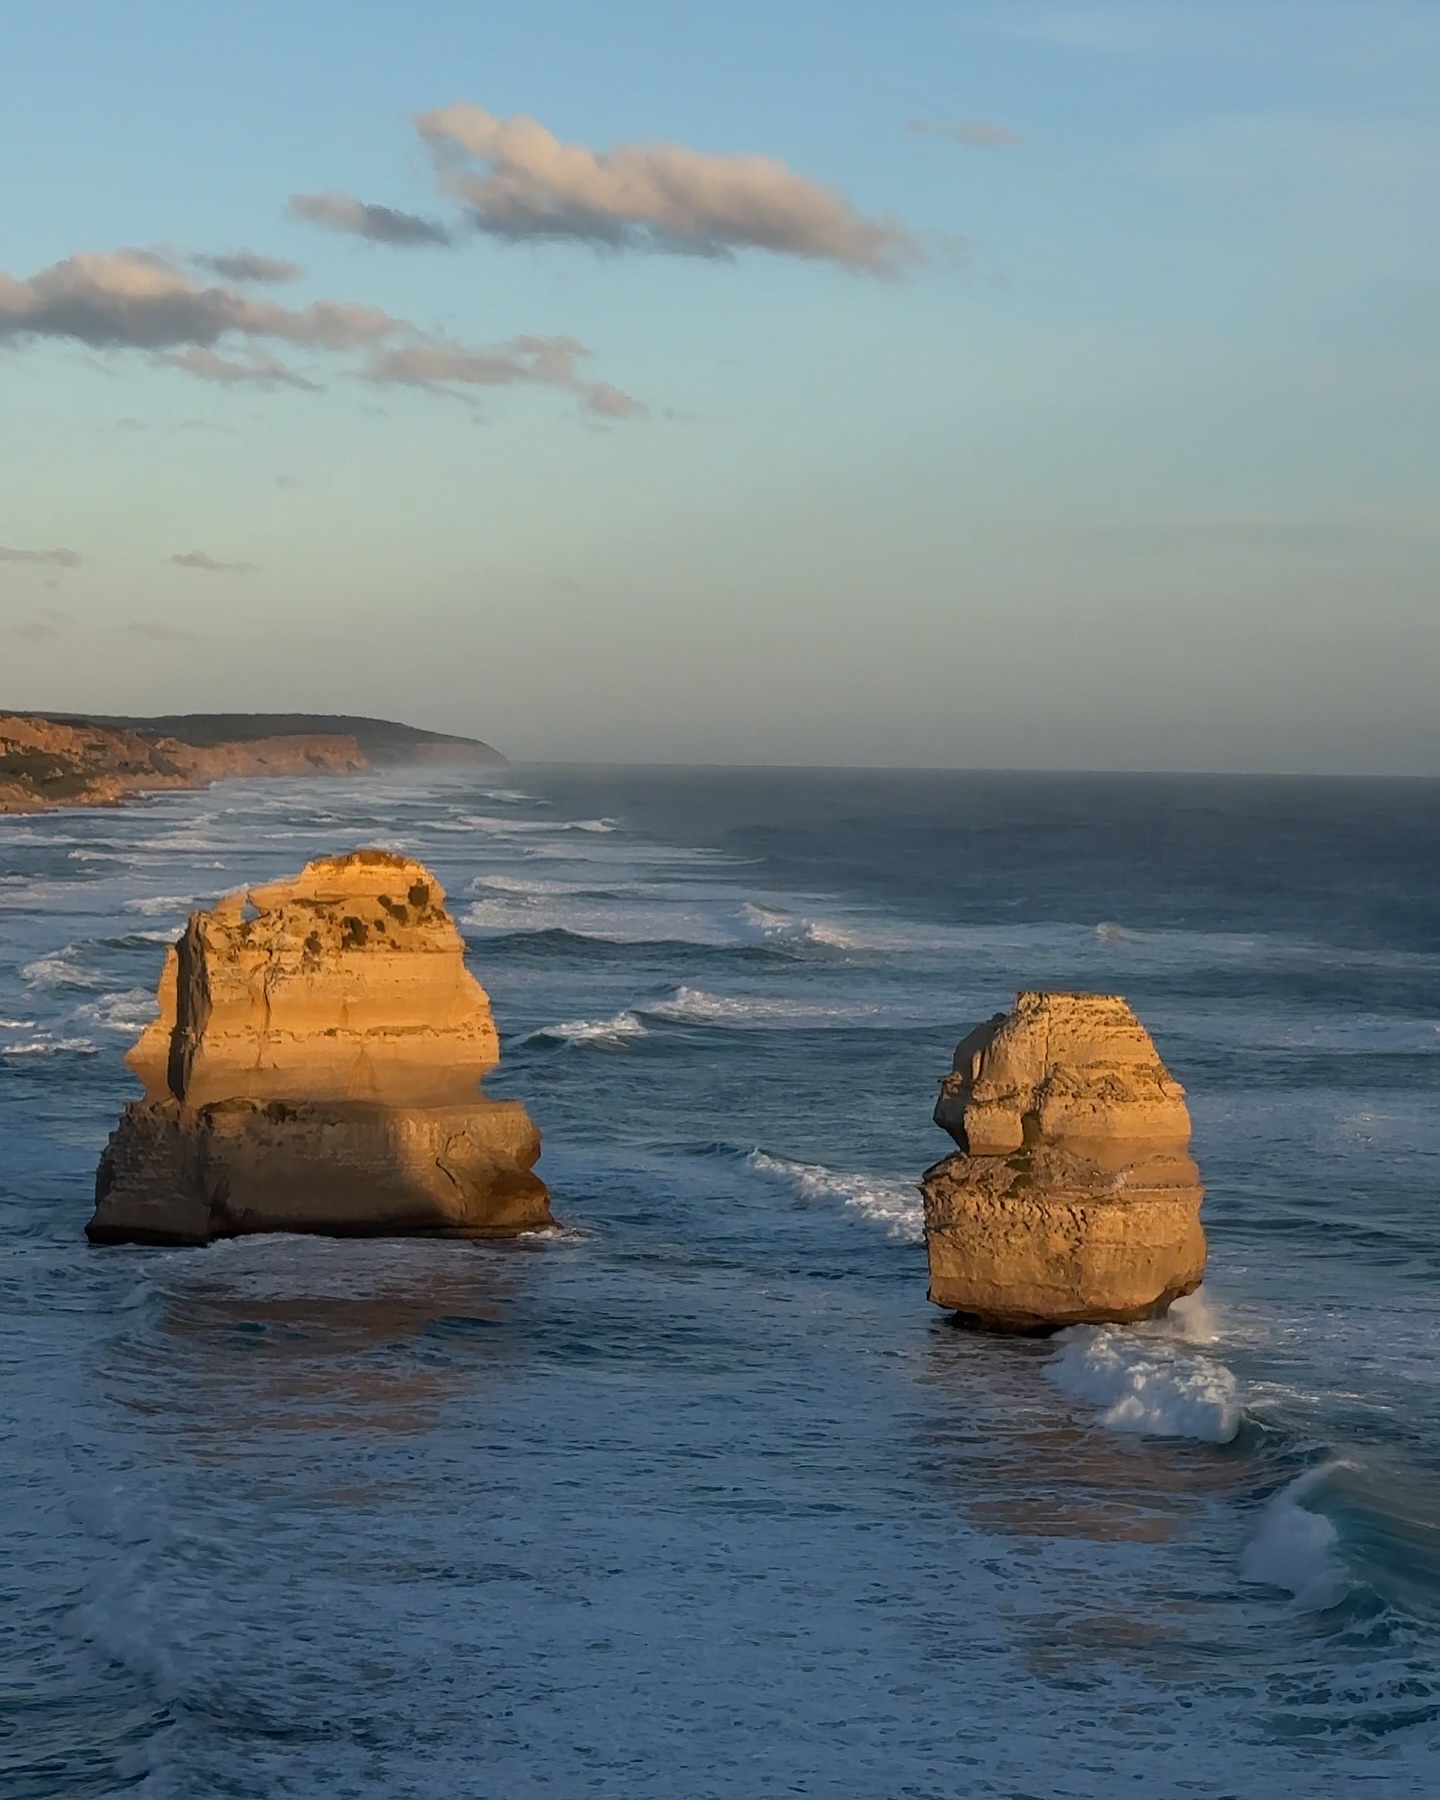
<point>697,1495</point>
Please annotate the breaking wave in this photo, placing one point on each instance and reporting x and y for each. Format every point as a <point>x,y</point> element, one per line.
<point>155,905</point>
<point>693,1006</point>
<point>129,1012</point>
<point>58,971</point>
<point>889,1202</point>
<point>614,1030</point>
<point>1298,1549</point>
<point>50,1046</point>
<point>1142,1387</point>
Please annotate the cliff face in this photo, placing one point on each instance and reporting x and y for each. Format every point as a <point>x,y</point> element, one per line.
<point>1073,1197</point>
<point>46,762</point>
<point>315,1067</point>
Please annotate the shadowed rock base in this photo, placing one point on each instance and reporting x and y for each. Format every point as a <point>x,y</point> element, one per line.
<point>315,1068</point>
<point>1073,1199</point>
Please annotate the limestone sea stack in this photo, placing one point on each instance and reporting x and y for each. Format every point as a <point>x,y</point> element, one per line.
<point>316,1067</point>
<point>1072,1198</point>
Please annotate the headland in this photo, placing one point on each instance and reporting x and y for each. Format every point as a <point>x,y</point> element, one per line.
<point>69,759</point>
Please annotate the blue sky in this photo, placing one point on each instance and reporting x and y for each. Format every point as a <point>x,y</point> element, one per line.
<point>1061,394</point>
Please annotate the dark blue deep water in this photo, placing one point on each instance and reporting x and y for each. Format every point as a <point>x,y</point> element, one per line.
<point>698,1496</point>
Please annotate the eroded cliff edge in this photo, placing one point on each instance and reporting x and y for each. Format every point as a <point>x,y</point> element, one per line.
<point>316,1067</point>
<point>1072,1198</point>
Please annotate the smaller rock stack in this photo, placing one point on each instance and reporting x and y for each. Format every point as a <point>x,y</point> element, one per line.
<point>1072,1198</point>
<point>316,1067</point>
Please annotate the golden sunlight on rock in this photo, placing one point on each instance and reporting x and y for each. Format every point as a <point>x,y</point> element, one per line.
<point>1073,1198</point>
<point>315,1067</point>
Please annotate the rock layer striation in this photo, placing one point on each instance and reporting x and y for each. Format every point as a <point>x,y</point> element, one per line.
<point>1072,1197</point>
<point>316,1067</point>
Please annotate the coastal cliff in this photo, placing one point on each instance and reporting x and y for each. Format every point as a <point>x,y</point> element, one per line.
<point>316,1067</point>
<point>64,760</point>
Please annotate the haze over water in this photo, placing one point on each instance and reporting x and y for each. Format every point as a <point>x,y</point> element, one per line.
<point>697,1495</point>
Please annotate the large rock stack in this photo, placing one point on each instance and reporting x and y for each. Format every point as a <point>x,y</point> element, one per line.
<point>315,1067</point>
<point>1072,1198</point>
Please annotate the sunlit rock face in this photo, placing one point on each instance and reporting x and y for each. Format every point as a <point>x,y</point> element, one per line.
<point>1073,1197</point>
<point>315,1067</point>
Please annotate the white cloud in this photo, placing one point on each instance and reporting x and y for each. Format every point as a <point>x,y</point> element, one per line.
<point>517,180</point>
<point>135,300</point>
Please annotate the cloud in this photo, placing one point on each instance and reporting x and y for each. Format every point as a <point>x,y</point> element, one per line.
<point>261,369</point>
<point>135,300</point>
<point>159,632</point>
<point>444,367</point>
<point>55,559</point>
<point>197,559</point>
<point>647,196</point>
<point>248,265</point>
<point>45,623</point>
<point>611,403</point>
<point>380,224</point>
<point>977,134</point>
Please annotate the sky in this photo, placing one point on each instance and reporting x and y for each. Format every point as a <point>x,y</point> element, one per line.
<point>1010,384</point>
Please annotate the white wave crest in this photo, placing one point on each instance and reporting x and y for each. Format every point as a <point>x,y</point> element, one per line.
<point>129,1012</point>
<point>1109,932</point>
<point>501,827</point>
<point>58,970</point>
<point>516,884</point>
<point>153,905</point>
<point>1156,1394</point>
<point>50,1046</point>
<point>594,1031</point>
<point>17,1024</point>
<point>771,925</point>
<point>889,1202</point>
<point>1297,1549</point>
<point>693,1006</point>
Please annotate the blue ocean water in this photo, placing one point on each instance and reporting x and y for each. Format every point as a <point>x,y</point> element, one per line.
<point>697,1495</point>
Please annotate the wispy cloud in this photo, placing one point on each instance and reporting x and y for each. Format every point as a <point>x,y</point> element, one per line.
<point>134,300</point>
<point>450,368</point>
<point>197,559</point>
<point>43,625</point>
<point>261,369</point>
<point>55,559</point>
<point>380,224</point>
<point>249,265</point>
<point>976,134</point>
<point>516,180</point>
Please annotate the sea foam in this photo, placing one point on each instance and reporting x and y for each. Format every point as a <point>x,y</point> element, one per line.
<point>609,1031</point>
<point>1142,1388</point>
